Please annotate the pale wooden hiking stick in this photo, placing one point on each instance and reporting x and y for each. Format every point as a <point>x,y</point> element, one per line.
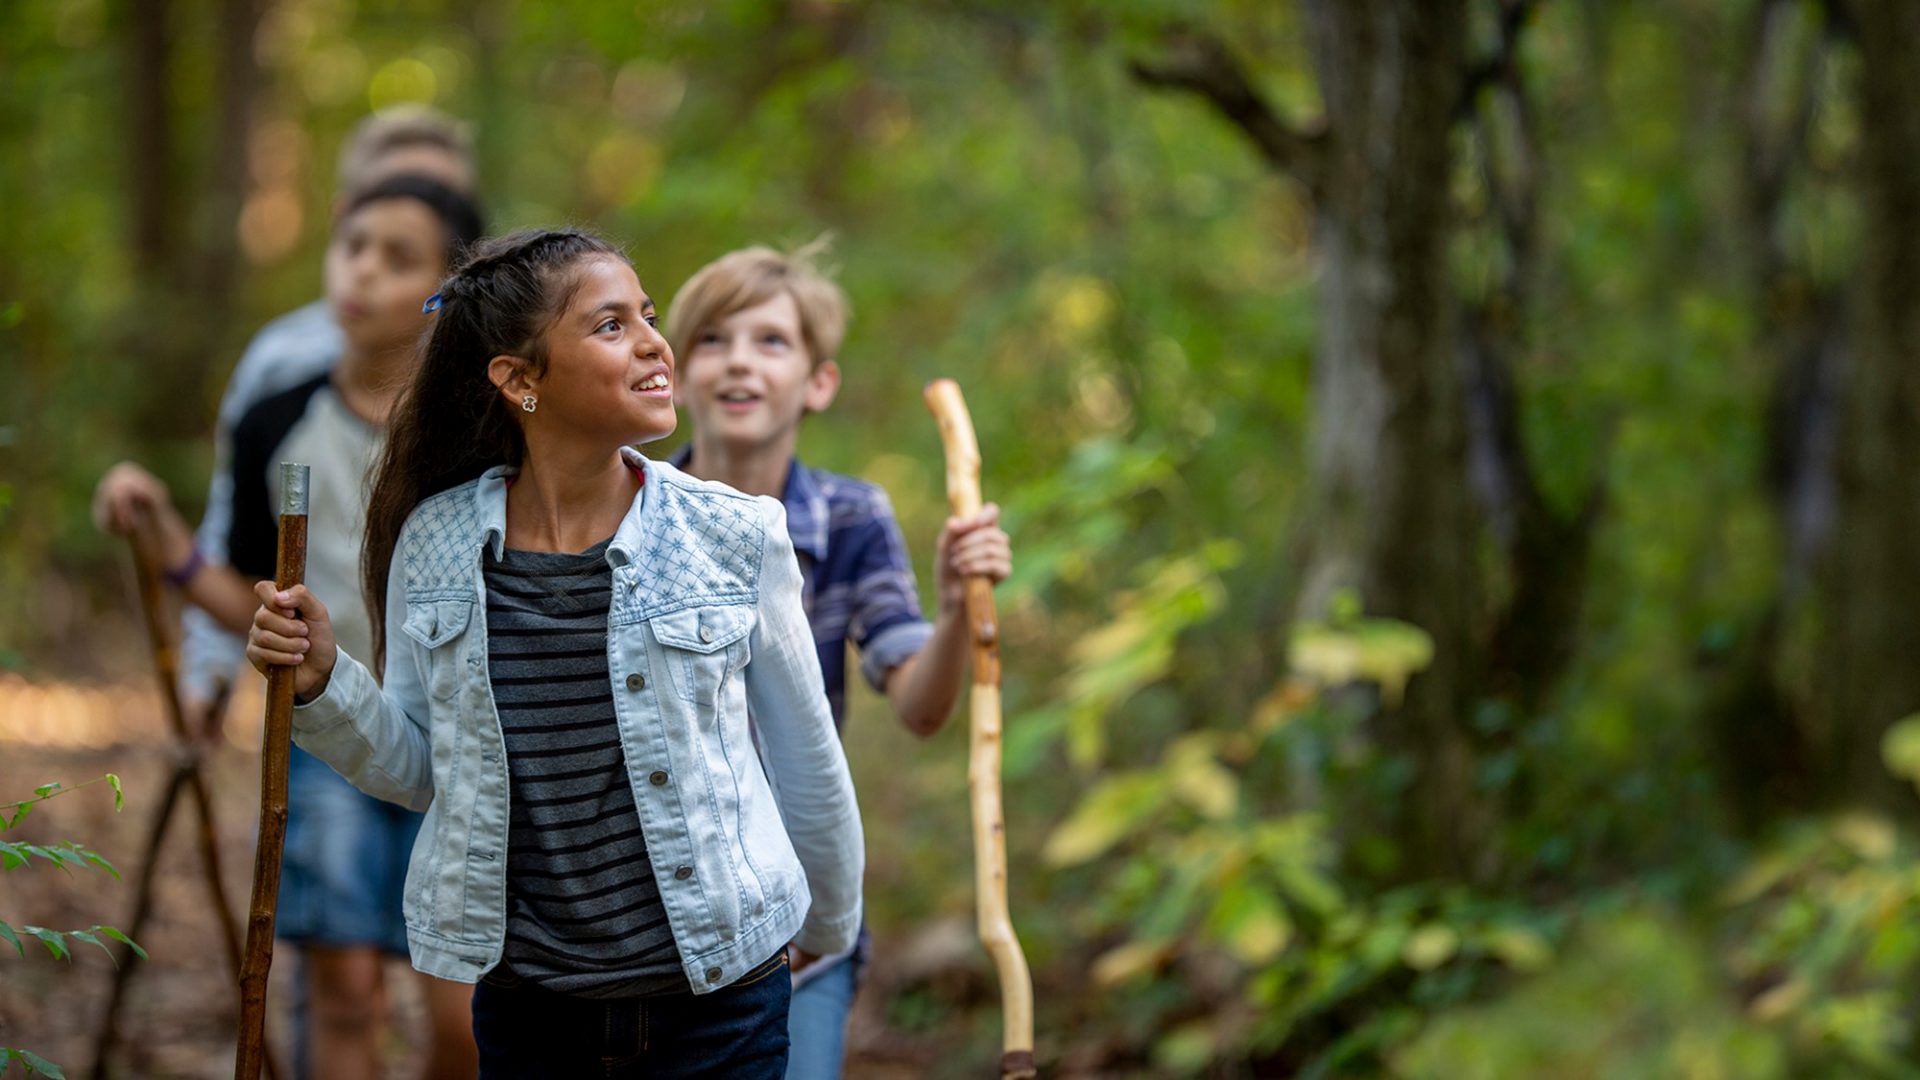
<point>290,569</point>
<point>187,777</point>
<point>983,760</point>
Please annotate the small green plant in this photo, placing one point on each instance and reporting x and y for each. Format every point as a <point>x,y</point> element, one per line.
<point>66,856</point>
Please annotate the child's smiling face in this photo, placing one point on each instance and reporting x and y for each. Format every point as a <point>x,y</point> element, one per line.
<point>749,379</point>
<point>609,373</point>
<point>385,259</point>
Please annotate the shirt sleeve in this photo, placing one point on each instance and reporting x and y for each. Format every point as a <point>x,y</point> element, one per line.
<point>886,624</point>
<point>209,653</point>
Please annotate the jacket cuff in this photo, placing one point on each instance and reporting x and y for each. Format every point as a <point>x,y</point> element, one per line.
<point>345,689</point>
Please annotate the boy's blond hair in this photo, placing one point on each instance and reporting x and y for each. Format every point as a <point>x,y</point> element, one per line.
<point>752,276</point>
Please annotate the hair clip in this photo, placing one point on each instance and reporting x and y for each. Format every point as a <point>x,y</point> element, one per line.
<point>432,305</point>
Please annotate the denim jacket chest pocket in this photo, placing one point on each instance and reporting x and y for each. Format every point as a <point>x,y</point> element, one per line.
<point>704,646</point>
<point>440,626</point>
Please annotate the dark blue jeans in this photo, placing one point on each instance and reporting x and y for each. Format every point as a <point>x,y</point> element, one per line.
<point>526,1033</point>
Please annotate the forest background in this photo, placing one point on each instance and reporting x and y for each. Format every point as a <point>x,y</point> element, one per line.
<point>1463,460</point>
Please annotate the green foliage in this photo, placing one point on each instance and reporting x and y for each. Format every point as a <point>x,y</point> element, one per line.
<point>33,1064</point>
<point>1633,996</point>
<point>58,943</point>
<point>1129,295</point>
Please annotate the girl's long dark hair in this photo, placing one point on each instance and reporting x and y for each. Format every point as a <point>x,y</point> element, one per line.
<point>451,424</point>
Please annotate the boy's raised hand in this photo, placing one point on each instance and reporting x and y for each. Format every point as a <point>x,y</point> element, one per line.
<point>970,547</point>
<point>293,628</point>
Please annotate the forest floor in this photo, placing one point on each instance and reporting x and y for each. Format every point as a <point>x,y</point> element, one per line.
<point>180,1012</point>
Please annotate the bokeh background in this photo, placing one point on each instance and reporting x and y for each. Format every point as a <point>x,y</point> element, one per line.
<point>1463,459</point>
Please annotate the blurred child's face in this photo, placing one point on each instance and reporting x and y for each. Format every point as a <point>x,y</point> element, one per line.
<point>386,258</point>
<point>609,373</point>
<point>749,379</point>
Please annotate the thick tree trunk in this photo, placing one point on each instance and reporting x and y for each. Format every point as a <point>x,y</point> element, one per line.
<point>1757,738</point>
<point>1393,515</point>
<point>227,183</point>
<point>1871,606</point>
<point>150,136</point>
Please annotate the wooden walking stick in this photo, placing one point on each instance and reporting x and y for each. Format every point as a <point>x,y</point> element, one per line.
<point>983,762</point>
<point>290,568</point>
<point>187,776</point>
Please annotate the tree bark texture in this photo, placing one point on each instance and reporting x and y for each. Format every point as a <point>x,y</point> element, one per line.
<point>1870,610</point>
<point>1389,450</point>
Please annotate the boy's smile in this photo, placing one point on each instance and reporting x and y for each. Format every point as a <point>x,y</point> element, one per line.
<point>748,379</point>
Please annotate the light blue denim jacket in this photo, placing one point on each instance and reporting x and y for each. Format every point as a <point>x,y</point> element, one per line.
<point>705,624</point>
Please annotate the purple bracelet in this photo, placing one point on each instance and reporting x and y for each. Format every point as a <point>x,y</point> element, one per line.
<point>180,575</point>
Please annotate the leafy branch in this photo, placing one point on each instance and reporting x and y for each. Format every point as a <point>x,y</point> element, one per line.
<point>30,1061</point>
<point>14,813</point>
<point>60,943</point>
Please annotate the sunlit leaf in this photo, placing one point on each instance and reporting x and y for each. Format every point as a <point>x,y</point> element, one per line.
<point>1430,946</point>
<point>1187,1049</point>
<point>1106,815</point>
<point>1781,1001</point>
<point>1385,652</point>
<point>1252,923</point>
<point>1870,836</point>
<point>1125,963</point>
<point>1519,948</point>
<point>1198,779</point>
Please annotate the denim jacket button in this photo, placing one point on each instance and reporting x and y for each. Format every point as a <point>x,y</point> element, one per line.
<point>636,681</point>
<point>683,873</point>
<point>658,778</point>
<point>713,974</point>
<point>706,633</point>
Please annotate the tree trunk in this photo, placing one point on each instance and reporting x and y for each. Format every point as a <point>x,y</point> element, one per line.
<point>1755,733</point>
<point>1391,517</point>
<point>227,184</point>
<point>1389,457</point>
<point>150,136</point>
<point>1871,607</point>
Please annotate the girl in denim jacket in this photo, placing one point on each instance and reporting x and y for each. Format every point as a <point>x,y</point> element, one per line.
<point>572,637</point>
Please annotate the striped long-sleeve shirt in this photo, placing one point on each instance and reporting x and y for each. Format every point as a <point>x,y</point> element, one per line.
<point>584,915</point>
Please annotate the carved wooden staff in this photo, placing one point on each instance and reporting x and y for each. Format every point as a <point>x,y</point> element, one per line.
<point>187,777</point>
<point>983,762</point>
<point>290,568</point>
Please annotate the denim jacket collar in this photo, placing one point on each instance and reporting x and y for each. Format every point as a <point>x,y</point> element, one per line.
<point>490,505</point>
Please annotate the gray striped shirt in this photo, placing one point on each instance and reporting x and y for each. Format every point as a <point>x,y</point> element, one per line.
<point>584,915</point>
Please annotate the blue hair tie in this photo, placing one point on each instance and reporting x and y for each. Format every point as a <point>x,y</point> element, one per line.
<point>432,305</point>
